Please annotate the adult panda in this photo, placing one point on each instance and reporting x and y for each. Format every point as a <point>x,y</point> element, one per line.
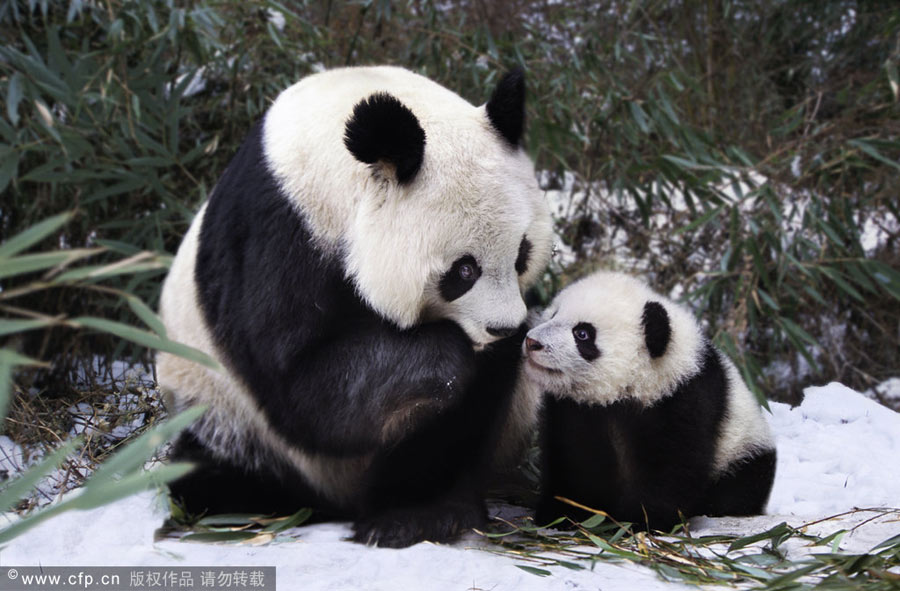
<point>643,418</point>
<point>358,272</point>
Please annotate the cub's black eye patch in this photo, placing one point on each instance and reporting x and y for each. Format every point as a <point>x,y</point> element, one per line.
<point>460,278</point>
<point>585,339</point>
<point>524,255</point>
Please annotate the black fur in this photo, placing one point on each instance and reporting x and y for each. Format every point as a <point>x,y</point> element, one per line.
<point>452,285</point>
<point>744,488</point>
<point>384,129</point>
<point>648,465</point>
<point>524,255</point>
<point>657,329</point>
<point>223,486</point>
<point>334,378</point>
<point>587,348</point>
<point>506,109</point>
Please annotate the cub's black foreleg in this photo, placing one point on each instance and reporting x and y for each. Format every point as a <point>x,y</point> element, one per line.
<point>745,488</point>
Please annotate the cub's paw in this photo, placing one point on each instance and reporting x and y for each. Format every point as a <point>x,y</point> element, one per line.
<point>399,528</point>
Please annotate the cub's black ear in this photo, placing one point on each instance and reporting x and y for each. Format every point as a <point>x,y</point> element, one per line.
<point>382,129</point>
<point>657,329</point>
<point>506,109</point>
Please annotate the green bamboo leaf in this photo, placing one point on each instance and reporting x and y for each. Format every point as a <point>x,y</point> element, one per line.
<point>767,299</point>
<point>107,271</point>
<point>706,217</point>
<point>893,78</point>
<point>872,151</point>
<point>884,275</point>
<point>639,116</point>
<point>593,521</point>
<point>219,536</point>
<point>770,534</point>
<point>859,278</point>
<point>797,331</point>
<point>14,93</point>
<point>230,519</point>
<point>838,280</point>
<point>814,294</point>
<point>13,491</point>
<point>297,519</point>
<point>569,565</point>
<point>34,234</point>
<point>534,570</point>
<point>29,263</point>
<point>606,547</point>
<point>8,327</point>
<point>122,248</point>
<point>9,165</point>
<point>146,339</point>
<point>147,315</point>
<point>891,542</point>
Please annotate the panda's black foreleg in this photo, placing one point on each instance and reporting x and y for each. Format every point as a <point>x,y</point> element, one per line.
<point>368,388</point>
<point>430,486</point>
<point>439,519</point>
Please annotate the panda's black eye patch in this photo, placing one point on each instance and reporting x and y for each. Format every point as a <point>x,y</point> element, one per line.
<point>585,339</point>
<point>460,278</point>
<point>524,255</point>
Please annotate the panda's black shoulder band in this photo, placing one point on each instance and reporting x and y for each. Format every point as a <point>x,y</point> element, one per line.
<point>506,109</point>
<point>382,128</point>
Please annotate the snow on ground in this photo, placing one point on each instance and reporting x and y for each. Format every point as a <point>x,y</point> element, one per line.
<point>837,451</point>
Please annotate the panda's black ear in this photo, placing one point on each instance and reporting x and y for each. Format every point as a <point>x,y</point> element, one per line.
<point>506,109</point>
<point>657,329</point>
<point>382,129</point>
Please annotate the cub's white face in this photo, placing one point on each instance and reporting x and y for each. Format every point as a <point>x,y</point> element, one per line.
<point>590,343</point>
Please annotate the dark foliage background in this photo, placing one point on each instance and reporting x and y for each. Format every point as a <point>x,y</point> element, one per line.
<point>742,153</point>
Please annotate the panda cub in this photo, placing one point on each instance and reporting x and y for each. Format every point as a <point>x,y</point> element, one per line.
<point>643,418</point>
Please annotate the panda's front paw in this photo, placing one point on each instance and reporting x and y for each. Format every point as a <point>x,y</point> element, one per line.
<point>400,528</point>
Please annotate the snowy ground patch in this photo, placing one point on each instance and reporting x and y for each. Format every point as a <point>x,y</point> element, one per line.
<point>837,451</point>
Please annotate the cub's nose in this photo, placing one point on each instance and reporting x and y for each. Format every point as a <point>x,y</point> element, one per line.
<point>532,344</point>
<point>502,332</point>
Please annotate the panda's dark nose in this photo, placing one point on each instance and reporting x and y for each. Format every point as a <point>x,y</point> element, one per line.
<point>532,345</point>
<point>502,332</point>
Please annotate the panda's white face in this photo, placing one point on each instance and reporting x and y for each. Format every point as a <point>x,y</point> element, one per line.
<point>425,197</point>
<point>590,344</point>
<point>488,253</point>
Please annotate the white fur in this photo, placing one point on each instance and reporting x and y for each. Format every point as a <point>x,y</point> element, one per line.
<point>745,432</point>
<point>473,195</point>
<point>233,422</point>
<point>614,304</point>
